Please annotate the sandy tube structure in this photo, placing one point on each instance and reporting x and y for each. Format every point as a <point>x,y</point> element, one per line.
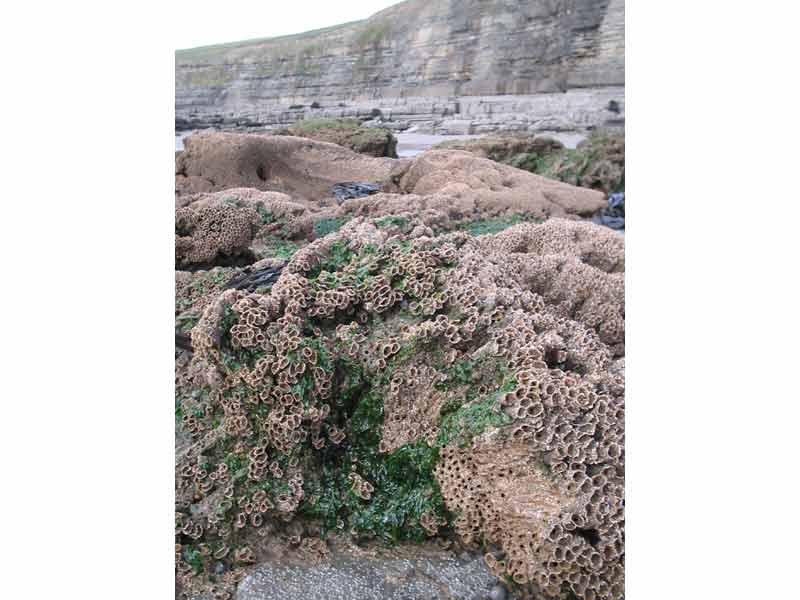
<point>397,385</point>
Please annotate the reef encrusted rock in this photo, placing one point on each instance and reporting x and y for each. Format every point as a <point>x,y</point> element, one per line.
<point>505,148</point>
<point>308,169</point>
<point>228,228</point>
<point>482,181</point>
<point>396,385</point>
<point>597,163</point>
<point>208,235</point>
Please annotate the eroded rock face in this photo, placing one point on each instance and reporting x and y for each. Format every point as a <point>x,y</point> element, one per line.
<point>469,66</point>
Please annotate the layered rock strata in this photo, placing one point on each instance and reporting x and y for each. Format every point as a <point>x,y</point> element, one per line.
<point>440,66</point>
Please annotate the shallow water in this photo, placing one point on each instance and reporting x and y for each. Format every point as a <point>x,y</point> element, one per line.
<point>411,144</point>
<point>179,139</point>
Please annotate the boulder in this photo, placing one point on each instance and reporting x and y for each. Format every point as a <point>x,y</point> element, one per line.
<point>350,133</point>
<point>598,162</point>
<point>384,124</point>
<point>306,169</point>
<point>493,185</point>
<point>505,148</point>
<point>230,228</point>
<point>358,577</point>
<point>456,127</point>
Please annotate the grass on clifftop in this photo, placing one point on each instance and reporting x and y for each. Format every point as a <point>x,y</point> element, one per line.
<point>218,52</point>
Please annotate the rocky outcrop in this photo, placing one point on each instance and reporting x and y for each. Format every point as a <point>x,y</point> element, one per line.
<point>504,148</point>
<point>471,66</point>
<point>482,182</point>
<point>221,228</point>
<point>396,386</point>
<point>372,141</point>
<point>598,162</point>
<point>308,170</point>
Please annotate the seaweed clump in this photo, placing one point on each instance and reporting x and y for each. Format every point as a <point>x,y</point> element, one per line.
<point>598,162</point>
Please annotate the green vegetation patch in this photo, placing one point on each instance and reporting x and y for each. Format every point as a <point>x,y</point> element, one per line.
<point>468,414</point>
<point>405,492</point>
<point>339,255</point>
<point>185,323</point>
<point>210,280</point>
<point>373,34</point>
<point>331,225</point>
<point>374,141</point>
<point>214,76</point>
<point>370,135</point>
<point>528,161</point>
<point>189,294</point>
<point>194,559</point>
<point>404,484</point>
<point>598,163</point>
<point>471,420</point>
<point>275,246</point>
<point>495,225</point>
<point>266,216</point>
<point>391,221</point>
<point>405,487</point>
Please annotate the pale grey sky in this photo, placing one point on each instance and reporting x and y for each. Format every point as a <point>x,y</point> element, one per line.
<point>206,22</point>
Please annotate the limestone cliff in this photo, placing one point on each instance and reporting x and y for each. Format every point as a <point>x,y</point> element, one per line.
<point>449,65</point>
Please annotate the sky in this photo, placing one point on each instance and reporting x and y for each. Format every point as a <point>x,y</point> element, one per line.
<point>206,22</point>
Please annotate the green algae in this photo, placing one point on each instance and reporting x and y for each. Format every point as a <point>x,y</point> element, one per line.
<point>324,227</point>
<point>495,225</point>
